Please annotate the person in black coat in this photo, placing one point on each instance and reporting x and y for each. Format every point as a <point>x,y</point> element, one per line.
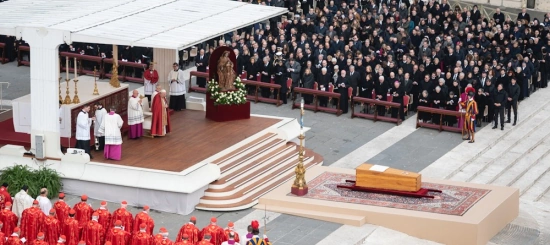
<point>424,100</point>
<point>279,70</point>
<point>481,101</point>
<point>354,78</point>
<point>252,70</point>
<point>397,92</point>
<point>489,90</point>
<point>513,96</point>
<point>381,93</point>
<point>265,76</point>
<point>343,84</point>
<point>308,80</point>
<point>323,82</point>
<point>451,103</point>
<point>438,101</point>
<point>201,61</point>
<point>499,100</point>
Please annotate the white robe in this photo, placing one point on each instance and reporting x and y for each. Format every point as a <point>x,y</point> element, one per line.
<point>148,87</point>
<point>110,127</point>
<point>83,123</point>
<point>99,114</point>
<point>177,88</point>
<point>21,201</point>
<point>135,111</point>
<point>45,204</point>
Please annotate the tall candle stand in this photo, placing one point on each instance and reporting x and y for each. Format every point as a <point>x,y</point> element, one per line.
<point>60,98</point>
<point>96,92</point>
<point>76,100</point>
<point>67,100</point>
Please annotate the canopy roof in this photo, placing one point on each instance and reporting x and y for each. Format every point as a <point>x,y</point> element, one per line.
<point>170,24</point>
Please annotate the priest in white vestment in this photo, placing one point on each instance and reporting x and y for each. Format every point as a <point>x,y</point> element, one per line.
<point>135,116</point>
<point>100,112</point>
<point>22,201</point>
<point>110,128</point>
<point>177,88</point>
<point>83,124</point>
<point>44,201</point>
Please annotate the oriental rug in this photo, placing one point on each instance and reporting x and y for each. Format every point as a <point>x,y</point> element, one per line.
<point>454,200</point>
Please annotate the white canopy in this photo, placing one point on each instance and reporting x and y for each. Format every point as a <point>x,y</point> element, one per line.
<point>169,24</point>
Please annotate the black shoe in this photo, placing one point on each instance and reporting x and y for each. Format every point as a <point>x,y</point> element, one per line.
<point>494,127</point>
<point>502,128</point>
<point>514,124</point>
<point>507,121</point>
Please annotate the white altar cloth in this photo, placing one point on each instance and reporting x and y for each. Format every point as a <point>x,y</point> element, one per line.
<point>22,105</point>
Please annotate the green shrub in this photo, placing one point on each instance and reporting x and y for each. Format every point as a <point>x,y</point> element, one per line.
<point>18,175</point>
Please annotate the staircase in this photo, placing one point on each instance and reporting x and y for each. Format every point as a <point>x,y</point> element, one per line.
<point>252,170</point>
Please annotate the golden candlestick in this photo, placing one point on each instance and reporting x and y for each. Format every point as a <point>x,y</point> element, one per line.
<point>76,100</point>
<point>67,100</point>
<point>299,188</point>
<point>96,92</point>
<point>114,78</point>
<point>60,98</point>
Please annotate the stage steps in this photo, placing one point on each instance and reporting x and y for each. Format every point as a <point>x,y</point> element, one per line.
<point>252,170</point>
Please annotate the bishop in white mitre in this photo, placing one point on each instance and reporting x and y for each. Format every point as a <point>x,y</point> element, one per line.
<point>135,116</point>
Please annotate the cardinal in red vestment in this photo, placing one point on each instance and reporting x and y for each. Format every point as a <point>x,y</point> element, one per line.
<point>206,240</point>
<point>160,122</point>
<point>231,228</point>
<point>184,241</point>
<point>217,233</point>
<point>70,229</point>
<point>124,216</point>
<point>4,196</point>
<point>9,219</point>
<point>39,240</point>
<point>190,229</point>
<point>30,221</point>
<point>93,232</point>
<point>2,235</point>
<point>61,208</point>
<point>162,238</point>
<point>14,238</point>
<point>144,218</point>
<point>61,240</point>
<point>83,211</point>
<point>117,235</point>
<point>142,237</point>
<point>104,217</point>
<point>51,228</point>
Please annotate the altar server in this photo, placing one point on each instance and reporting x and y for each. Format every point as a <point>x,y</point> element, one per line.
<point>83,124</point>
<point>135,116</point>
<point>99,113</point>
<point>150,79</point>
<point>110,127</point>
<point>177,88</point>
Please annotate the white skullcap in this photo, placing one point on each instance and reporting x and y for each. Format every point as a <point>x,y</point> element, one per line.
<point>163,91</point>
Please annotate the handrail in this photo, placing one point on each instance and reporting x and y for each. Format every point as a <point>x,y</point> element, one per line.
<point>442,113</point>
<point>317,93</point>
<point>197,74</point>
<point>375,115</point>
<point>1,92</point>
<point>276,88</point>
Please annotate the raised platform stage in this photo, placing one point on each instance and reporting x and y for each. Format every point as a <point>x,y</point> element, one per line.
<point>463,214</point>
<point>234,162</point>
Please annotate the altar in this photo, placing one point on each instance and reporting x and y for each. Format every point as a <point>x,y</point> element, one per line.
<point>68,113</point>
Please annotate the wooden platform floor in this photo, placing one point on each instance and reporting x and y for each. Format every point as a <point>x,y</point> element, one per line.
<point>192,140</point>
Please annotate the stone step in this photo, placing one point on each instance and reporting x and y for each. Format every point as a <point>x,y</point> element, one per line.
<point>525,163</point>
<point>505,144</point>
<point>234,163</point>
<point>532,176</point>
<point>500,165</point>
<point>539,188</point>
<point>258,142</point>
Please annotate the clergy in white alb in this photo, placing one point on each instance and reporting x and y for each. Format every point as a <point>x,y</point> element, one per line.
<point>110,127</point>
<point>100,112</point>
<point>83,124</point>
<point>22,201</point>
<point>44,201</point>
<point>150,79</point>
<point>177,88</point>
<point>135,116</point>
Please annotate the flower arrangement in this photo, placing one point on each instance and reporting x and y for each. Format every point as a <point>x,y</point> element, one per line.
<point>234,97</point>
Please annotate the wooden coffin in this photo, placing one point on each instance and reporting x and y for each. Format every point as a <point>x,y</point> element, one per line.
<point>389,179</point>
